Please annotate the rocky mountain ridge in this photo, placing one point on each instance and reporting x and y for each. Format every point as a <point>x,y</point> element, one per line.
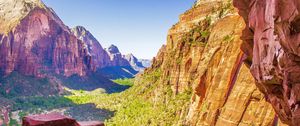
<point>123,66</point>
<point>135,62</point>
<point>37,48</point>
<point>201,65</point>
<point>108,59</point>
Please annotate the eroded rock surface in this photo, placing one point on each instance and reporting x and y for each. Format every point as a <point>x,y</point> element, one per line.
<point>36,48</point>
<point>271,41</point>
<point>203,53</point>
<point>40,43</point>
<point>116,56</point>
<point>99,57</point>
<point>134,62</point>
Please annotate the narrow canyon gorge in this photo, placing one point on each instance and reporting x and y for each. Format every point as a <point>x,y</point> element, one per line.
<point>225,63</point>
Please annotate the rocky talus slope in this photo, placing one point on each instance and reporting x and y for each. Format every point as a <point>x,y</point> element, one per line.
<point>271,44</point>
<point>203,56</point>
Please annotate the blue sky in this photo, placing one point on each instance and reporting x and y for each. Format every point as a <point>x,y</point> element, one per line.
<point>135,26</point>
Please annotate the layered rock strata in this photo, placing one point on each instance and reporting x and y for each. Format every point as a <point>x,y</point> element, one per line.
<point>203,54</point>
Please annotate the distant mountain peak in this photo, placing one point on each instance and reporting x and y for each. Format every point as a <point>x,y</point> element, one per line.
<point>130,55</point>
<point>80,30</point>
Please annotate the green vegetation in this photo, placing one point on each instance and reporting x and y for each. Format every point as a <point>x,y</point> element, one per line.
<point>208,19</point>
<point>228,38</point>
<point>204,34</point>
<point>125,81</point>
<point>13,122</point>
<point>225,9</point>
<point>82,112</point>
<point>136,106</point>
<point>16,85</point>
<point>36,104</point>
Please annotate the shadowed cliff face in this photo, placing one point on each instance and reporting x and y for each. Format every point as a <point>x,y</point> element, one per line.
<point>271,42</point>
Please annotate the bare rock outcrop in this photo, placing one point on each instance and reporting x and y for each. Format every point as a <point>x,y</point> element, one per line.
<point>271,41</point>
<point>41,42</point>
<point>40,55</point>
<point>203,55</point>
<point>116,56</point>
<point>99,57</point>
<point>134,62</point>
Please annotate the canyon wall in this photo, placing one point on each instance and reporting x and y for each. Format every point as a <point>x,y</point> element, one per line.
<point>34,41</point>
<point>271,41</point>
<point>40,55</point>
<point>203,55</point>
<point>40,43</point>
<point>99,57</point>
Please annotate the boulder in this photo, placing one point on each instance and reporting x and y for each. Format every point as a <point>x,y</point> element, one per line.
<point>53,119</point>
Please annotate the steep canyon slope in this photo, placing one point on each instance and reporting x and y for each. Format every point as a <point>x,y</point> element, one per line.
<point>202,59</point>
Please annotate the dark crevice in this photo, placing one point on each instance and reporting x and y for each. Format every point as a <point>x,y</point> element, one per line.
<point>295,27</point>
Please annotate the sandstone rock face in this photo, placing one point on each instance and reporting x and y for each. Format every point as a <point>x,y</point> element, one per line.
<point>12,11</point>
<point>34,41</point>
<point>203,53</point>
<point>39,43</point>
<point>116,57</point>
<point>100,58</point>
<point>41,55</point>
<point>271,41</point>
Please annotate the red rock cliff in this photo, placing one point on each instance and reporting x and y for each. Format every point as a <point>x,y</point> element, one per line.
<point>100,57</point>
<point>271,42</point>
<point>203,54</point>
<point>41,42</point>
